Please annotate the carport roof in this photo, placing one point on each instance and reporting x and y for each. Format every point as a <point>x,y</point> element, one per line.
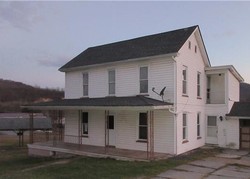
<point>240,109</point>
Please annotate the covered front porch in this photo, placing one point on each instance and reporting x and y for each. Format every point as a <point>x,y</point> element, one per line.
<point>116,127</point>
<point>52,149</point>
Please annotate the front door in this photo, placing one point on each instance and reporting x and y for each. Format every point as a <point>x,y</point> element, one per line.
<point>212,130</point>
<point>111,130</point>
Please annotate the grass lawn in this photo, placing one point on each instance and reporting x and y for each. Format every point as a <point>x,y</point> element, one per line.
<point>14,163</point>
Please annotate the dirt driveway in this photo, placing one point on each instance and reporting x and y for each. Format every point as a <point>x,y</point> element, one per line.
<point>231,164</point>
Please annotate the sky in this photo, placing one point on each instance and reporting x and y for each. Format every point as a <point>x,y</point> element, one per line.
<point>37,38</point>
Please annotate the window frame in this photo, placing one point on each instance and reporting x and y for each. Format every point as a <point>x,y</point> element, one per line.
<point>184,128</point>
<point>198,123</point>
<point>85,85</point>
<point>85,124</point>
<point>198,84</point>
<point>185,81</point>
<point>143,80</point>
<point>113,83</point>
<point>143,126</point>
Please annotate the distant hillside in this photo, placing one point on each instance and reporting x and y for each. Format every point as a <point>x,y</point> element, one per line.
<point>244,92</point>
<point>13,94</point>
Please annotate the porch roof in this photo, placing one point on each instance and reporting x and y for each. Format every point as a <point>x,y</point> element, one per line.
<point>127,102</point>
<point>240,109</point>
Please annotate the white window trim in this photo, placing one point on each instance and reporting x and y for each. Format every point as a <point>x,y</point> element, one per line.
<point>138,128</point>
<point>85,84</point>
<point>111,82</point>
<point>82,131</point>
<point>198,84</point>
<point>143,79</point>
<point>198,124</point>
<point>186,127</point>
<point>186,80</point>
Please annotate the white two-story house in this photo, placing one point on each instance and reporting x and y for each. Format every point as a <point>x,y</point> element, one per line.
<point>154,94</point>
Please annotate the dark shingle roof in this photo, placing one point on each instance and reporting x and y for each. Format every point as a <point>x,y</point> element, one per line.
<point>241,109</point>
<point>106,101</point>
<point>158,44</point>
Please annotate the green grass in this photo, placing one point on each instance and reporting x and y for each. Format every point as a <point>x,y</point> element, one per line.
<point>14,163</point>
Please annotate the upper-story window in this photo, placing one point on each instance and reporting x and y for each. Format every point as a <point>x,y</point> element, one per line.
<point>184,80</point>
<point>189,44</point>
<point>85,78</point>
<point>195,48</point>
<point>198,84</point>
<point>111,82</point>
<point>143,79</point>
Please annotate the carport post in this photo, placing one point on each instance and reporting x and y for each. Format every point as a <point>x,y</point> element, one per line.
<point>31,127</point>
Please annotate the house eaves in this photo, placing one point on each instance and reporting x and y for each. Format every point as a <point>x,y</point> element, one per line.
<point>166,43</point>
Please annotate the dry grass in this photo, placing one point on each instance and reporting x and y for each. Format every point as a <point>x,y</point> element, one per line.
<point>16,164</point>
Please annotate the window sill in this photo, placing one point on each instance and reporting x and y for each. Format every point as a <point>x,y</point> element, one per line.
<point>198,138</point>
<point>142,141</point>
<point>85,97</point>
<point>184,95</point>
<point>199,97</point>
<point>85,136</point>
<point>185,141</point>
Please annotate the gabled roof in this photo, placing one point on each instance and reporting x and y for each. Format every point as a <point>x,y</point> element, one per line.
<point>147,46</point>
<point>240,109</point>
<point>83,103</point>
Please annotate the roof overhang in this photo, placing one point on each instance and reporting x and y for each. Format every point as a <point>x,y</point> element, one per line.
<point>115,108</point>
<point>118,62</point>
<point>211,70</point>
<point>106,103</point>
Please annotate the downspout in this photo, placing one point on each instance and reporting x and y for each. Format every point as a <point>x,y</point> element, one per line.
<point>175,105</point>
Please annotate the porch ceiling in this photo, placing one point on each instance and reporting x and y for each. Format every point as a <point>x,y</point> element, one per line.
<point>115,103</point>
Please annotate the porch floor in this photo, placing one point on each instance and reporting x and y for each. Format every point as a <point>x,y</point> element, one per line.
<point>97,151</point>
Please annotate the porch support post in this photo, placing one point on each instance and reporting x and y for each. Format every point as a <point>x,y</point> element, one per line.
<point>79,127</point>
<point>105,130</point>
<point>31,127</point>
<point>148,135</point>
<point>53,116</point>
<point>151,135</point>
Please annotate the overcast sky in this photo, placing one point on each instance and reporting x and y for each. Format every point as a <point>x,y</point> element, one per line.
<point>37,38</point>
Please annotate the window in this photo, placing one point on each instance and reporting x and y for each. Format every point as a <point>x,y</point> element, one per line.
<point>85,121</point>
<point>111,79</point>
<point>143,79</point>
<point>184,126</point>
<point>85,77</point>
<point>198,84</point>
<point>143,126</point>
<point>198,125</point>
<point>195,49</point>
<point>189,44</point>
<point>184,80</point>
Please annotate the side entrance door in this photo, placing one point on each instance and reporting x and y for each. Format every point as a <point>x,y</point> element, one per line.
<point>212,130</point>
<point>245,134</point>
<point>111,130</point>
